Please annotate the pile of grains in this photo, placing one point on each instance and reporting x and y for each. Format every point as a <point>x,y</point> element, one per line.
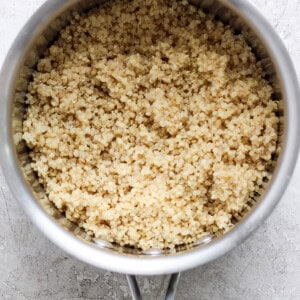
<point>150,123</point>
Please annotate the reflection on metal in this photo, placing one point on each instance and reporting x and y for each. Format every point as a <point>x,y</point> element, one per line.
<point>153,252</point>
<point>170,293</point>
<point>205,240</point>
<point>103,244</point>
<point>134,288</point>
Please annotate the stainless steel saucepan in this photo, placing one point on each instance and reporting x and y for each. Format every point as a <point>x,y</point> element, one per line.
<point>36,35</point>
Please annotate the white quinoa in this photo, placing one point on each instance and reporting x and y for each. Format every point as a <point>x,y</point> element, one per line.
<point>150,123</point>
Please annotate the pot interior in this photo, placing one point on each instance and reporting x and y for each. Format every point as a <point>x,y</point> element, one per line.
<point>48,32</point>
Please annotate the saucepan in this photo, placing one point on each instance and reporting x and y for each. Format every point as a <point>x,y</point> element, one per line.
<point>36,35</point>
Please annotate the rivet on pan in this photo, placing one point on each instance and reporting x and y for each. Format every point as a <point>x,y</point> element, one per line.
<point>153,252</point>
<point>205,240</point>
<point>103,244</point>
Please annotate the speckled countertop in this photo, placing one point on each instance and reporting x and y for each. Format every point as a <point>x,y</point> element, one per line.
<point>266,266</point>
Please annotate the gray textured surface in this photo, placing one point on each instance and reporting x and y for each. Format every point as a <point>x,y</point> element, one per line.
<point>266,266</point>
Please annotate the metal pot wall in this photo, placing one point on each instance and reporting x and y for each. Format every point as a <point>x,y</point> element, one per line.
<point>36,35</point>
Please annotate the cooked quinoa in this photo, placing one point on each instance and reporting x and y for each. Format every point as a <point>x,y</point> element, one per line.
<point>150,123</point>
